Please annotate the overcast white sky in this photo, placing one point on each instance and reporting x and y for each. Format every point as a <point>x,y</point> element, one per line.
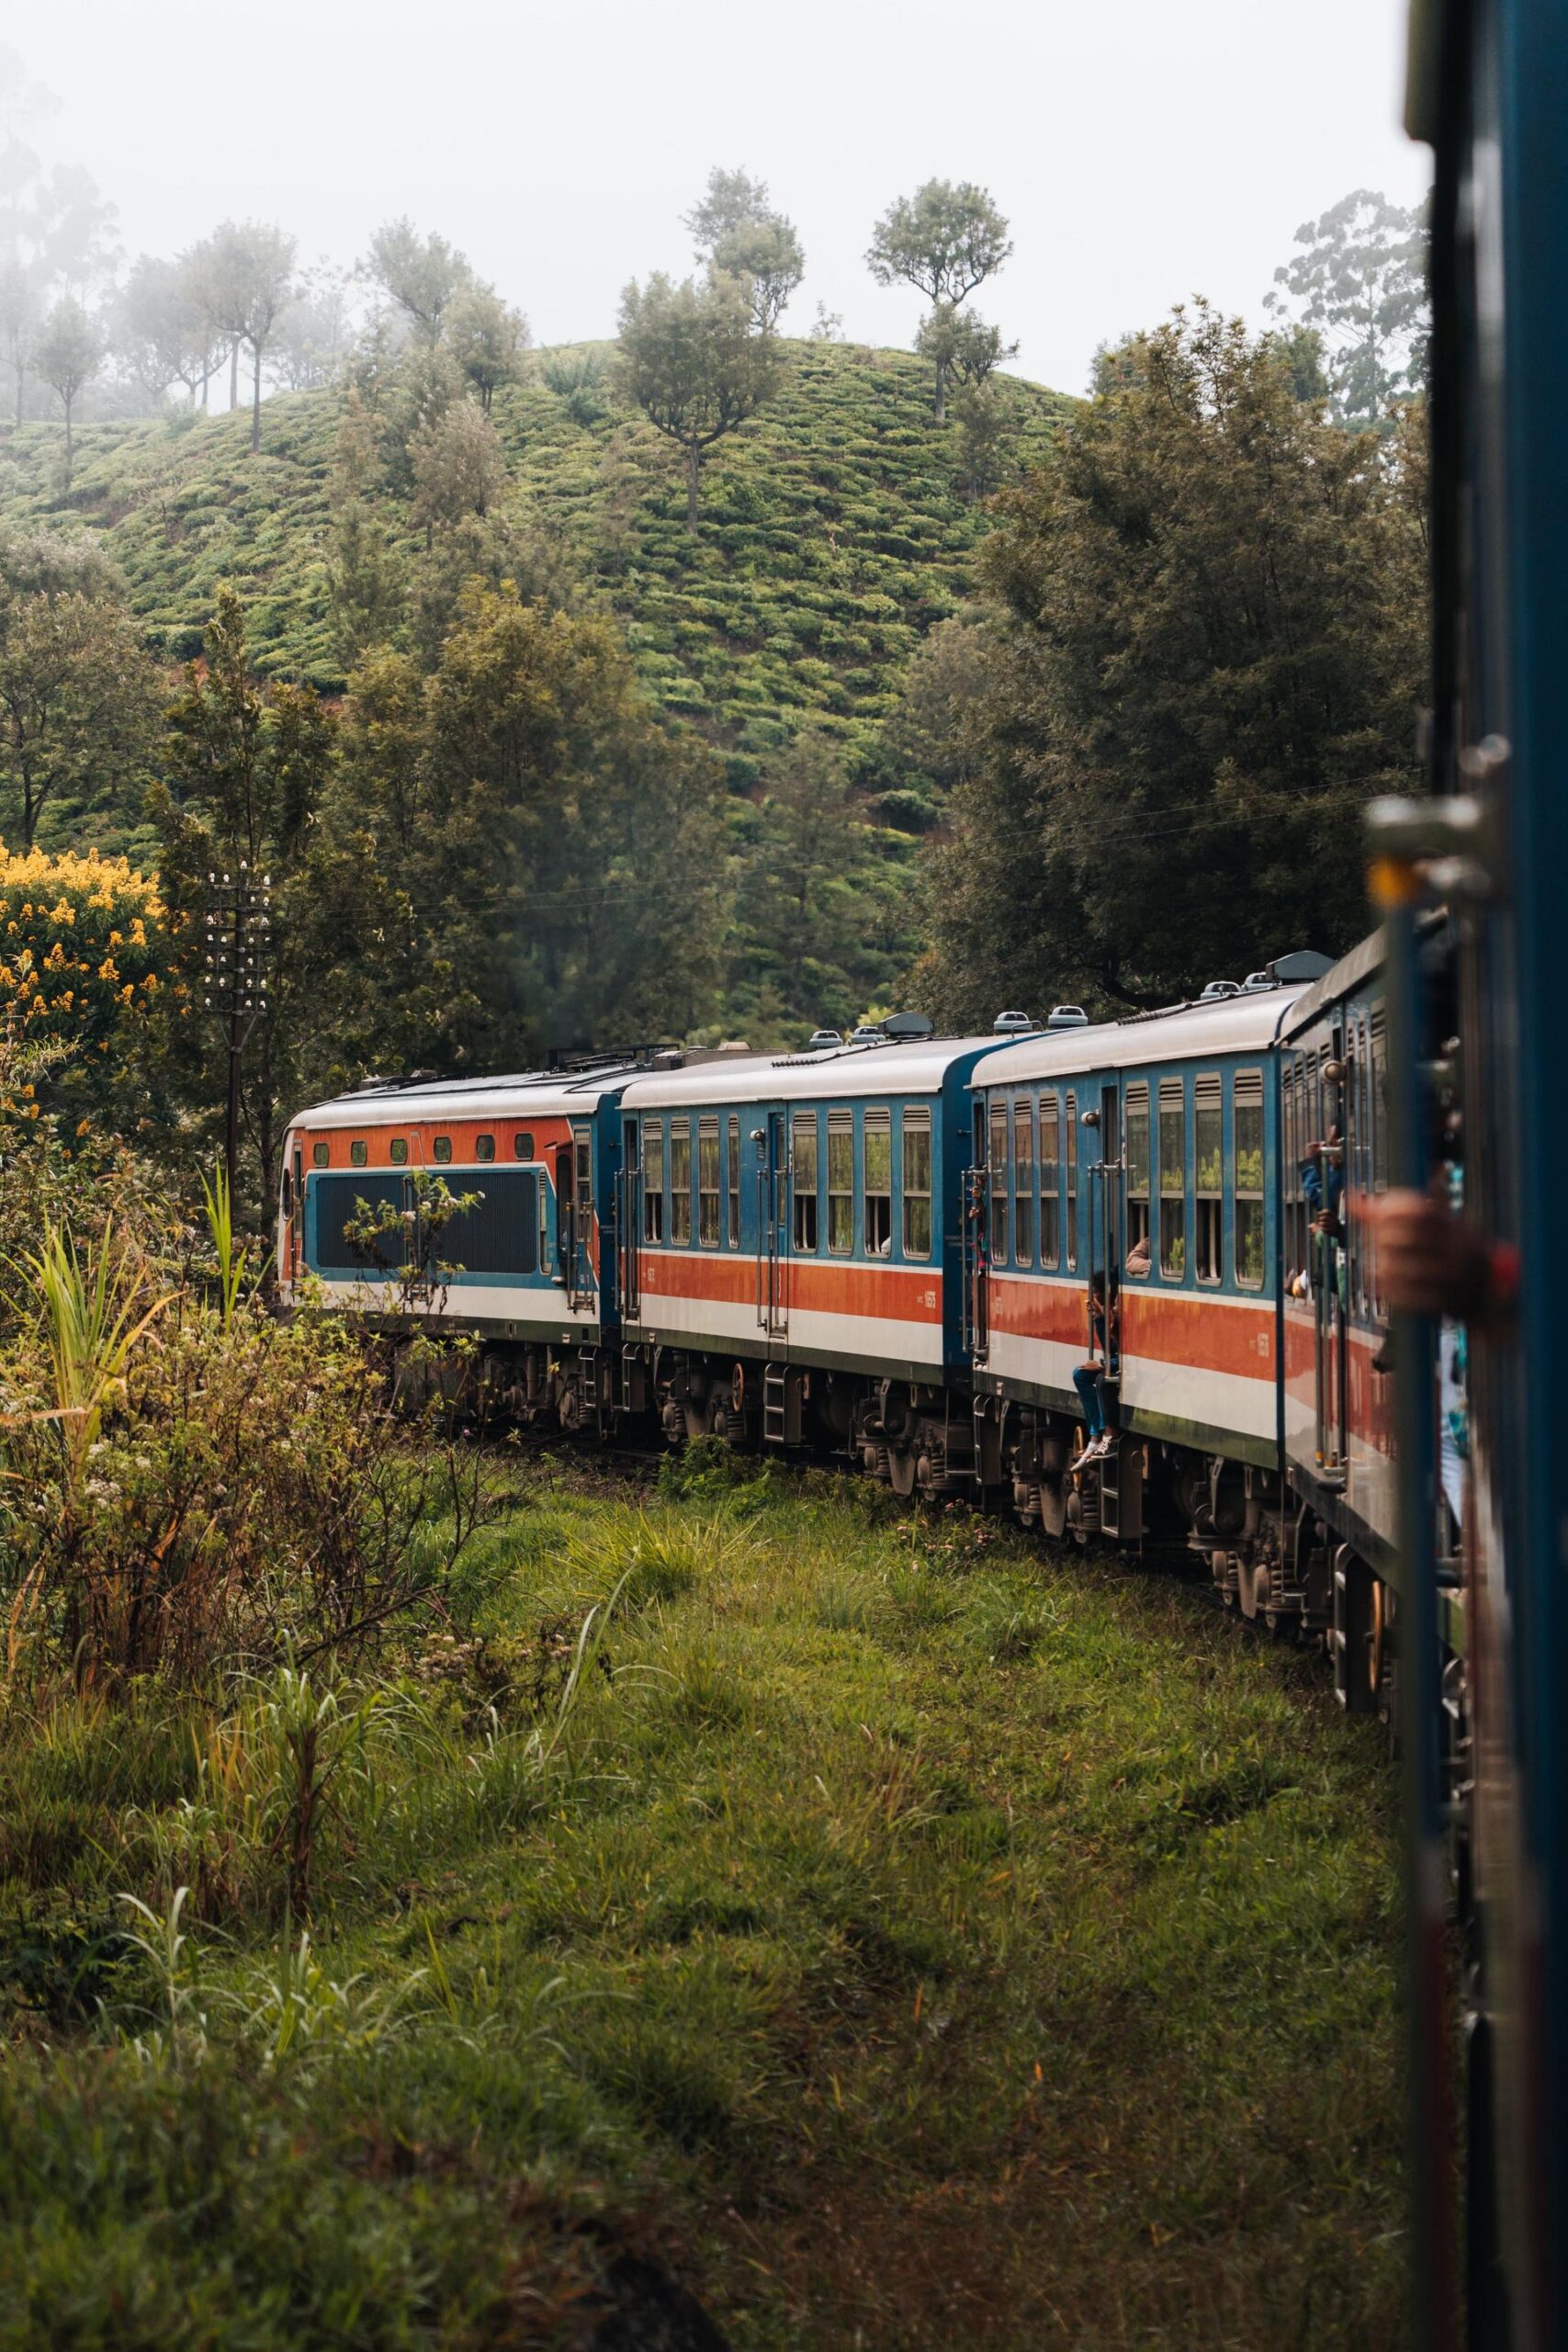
<point>1144,149</point>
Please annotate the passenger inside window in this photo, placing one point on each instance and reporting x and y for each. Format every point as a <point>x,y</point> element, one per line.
<point>653,1181</point>
<point>876,1197</point>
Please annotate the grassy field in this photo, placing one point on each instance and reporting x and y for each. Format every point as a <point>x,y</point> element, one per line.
<point>896,1936</point>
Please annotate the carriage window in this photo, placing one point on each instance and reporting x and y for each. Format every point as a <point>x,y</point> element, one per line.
<point>484,1147</point>
<point>803,1174</point>
<point>1247,1097</point>
<point>680,1181</point>
<point>1209,1178</point>
<point>917,1182</point>
<point>441,1149</point>
<point>1023,1183</point>
<point>653,1179</point>
<point>840,1183</point>
<point>582,1143</point>
<point>319,1154</point>
<point>398,1151</point>
<point>707,1184</point>
<point>358,1152</point>
<point>522,1146</point>
<point>1172,1179</point>
<point>1072,1183</point>
<point>998,1168</point>
<point>734,1183</point>
<point>1050,1181</point>
<point>876,1215</point>
<point>1138,1164</point>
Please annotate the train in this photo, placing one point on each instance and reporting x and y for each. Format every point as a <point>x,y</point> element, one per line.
<point>934,1259</point>
<point>952,1262</point>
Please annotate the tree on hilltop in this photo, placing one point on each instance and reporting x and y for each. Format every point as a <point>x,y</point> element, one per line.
<point>164,335</point>
<point>244,277</point>
<point>693,360</point>
<point>424,275</point>
<point>737,234</point>
<point>945,241</point>
<point>487,339</point>
<point>1360,280</point>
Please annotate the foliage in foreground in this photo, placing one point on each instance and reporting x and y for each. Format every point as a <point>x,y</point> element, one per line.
<point>911,1940</point>
<point>191,1487</point>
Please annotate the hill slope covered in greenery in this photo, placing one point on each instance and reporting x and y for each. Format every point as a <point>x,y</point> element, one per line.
<point>837,528</point>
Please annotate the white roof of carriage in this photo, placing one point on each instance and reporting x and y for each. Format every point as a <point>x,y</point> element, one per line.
<point>1235,1024</point>
<point>881,1067</point>
<point>529,1094</point>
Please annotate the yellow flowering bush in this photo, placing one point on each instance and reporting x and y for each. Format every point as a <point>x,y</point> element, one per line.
<point>85,949</point>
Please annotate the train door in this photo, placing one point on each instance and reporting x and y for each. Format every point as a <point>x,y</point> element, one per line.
<point>630,1222</point>
<point>976,1249</point>
<point>582,1274</point>
<point>773,1224</point>
<point>1108,1182</point>
<point>565,1219</point>
<point>1330,1274</point>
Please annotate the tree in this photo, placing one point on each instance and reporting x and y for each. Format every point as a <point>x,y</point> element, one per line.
<point>312,334</point>
<point>248,769</point>
<point>244,277</point>
<point>68,354</point>
<point>737,234</point>
<point>487,339</point>
<point>550,854</point>
<point>424,275</point>
<point>364,581</point>
<point>162,333</point>
<point>964,348</point>
<point>1203,654</point>
<point>691,360</point>
<point>78,693</point>
<point>87,962</point>
<point>458,467</point>
<point>943,240</point>
<point>804,899</point>
<point>1360,280</point>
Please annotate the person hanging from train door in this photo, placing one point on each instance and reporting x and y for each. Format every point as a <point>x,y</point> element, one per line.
<point>1102,1371</point>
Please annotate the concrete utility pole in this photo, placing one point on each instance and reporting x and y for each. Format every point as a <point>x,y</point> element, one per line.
<point>238,924</point>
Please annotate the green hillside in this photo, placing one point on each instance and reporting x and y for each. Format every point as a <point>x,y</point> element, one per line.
<point>836,530</point>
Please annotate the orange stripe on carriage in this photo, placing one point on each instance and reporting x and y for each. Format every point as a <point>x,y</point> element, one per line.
<point>1159,1326</point>
<point>897,1294</point>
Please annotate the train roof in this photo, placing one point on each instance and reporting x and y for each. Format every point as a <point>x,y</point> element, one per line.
<point>876,1065</point>
<point>1235,1024</point>
<point>1352,971</point>
<point>528,1094</point>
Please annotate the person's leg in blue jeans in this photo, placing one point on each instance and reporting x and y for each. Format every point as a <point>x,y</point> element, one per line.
<point>1086,1380</point>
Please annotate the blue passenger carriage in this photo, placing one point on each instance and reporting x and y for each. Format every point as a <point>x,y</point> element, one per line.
<point>1127,1217</point>
<point>793,1265</point>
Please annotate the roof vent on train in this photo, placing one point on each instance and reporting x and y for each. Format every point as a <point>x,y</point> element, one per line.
<point>904,1026</point>
<point>1217,992</point>
<point>823,1041</point>
<point>869,1033</point>
<point>1256,982</point>
<point>1012,1024</point>
<point>1067,1016</point>
<point>1306,963</point>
